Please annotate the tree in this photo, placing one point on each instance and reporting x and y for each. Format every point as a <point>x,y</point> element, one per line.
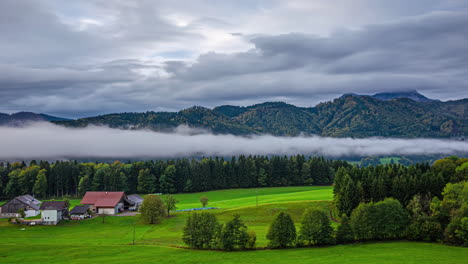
<point>347,198</point>
<point>457,230</point>
<point>152,209</point>
<point>204,201</point>
<point>344,233</point>
<point>234,234</point>
<point>316,228</point>
<point>201,230</point>
<point>167,180</point>
<point>13,187</point>
<point>170,203</point>
<point>84,185</point>
<point>146,181</point>
<point>40,186</point>
<point>252,239</point>
<point>22,213</point>
<point>282,231</point>
<point>386,219</point>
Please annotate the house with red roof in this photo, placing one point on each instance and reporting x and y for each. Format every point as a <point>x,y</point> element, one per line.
<point>106,202</point>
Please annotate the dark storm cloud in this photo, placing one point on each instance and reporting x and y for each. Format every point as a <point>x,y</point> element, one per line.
<point>121,58</point>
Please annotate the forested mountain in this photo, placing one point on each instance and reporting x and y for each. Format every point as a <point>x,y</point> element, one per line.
<point>385,96</point>
<point>22,117</point>
<point>347,116</point>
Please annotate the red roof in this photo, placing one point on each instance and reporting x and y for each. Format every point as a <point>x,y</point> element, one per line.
<point>102,199</point>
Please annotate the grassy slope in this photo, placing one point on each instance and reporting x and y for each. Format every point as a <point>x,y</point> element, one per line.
<point>382,253</point>
<point>97,242</point>
<point>247,197</point>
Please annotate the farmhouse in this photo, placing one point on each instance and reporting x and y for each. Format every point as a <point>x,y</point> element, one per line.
<point>137,200</point>
<point>53,212</point>
<point>29,204</point>
<point>79,212</point>
<point>106,202</point>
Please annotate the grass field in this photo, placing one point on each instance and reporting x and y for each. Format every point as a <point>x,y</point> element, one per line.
<point>93,241</point>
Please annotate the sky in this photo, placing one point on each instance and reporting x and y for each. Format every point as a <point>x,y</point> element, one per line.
<point>84,58</point>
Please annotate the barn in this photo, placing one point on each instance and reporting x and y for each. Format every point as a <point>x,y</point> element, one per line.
<point>106,202</point>
<point>29,204</point>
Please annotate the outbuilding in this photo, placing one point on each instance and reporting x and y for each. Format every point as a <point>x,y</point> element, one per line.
<point>137,200</point>
<point>79,212</point>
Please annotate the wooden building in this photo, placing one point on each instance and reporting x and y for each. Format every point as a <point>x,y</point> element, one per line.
<point>29,204</point>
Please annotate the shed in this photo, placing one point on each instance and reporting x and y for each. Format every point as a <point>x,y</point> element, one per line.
<point>79,212</point>
<point>137,200</point>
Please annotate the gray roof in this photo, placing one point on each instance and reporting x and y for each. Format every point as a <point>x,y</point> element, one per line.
<point>30,201</point>
<point>135,198</point>
<point>54,205</point>
<point>79,209</point>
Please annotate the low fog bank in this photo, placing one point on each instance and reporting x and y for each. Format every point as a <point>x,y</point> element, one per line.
<point>49,142</point>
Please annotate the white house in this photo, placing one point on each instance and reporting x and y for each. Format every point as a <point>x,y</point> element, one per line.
<point>52,212</point>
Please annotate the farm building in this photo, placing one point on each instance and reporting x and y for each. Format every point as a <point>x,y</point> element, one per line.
<point>137,200</point>
<point>29,204</point>
<point>107,202</point>
<point>79,212</point>
<point>53,212</point>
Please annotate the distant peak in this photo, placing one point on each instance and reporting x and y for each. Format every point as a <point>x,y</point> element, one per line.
<point>396,94</point>
<point>410,94</point>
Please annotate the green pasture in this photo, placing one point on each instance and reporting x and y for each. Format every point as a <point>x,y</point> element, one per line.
<point>109,240</point>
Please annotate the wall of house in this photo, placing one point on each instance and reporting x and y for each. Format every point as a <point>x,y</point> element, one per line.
<point>30,213</point>
<point>50,216</point>
<point>112,210</point>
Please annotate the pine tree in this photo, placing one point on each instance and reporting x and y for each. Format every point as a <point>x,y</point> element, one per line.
<point>167,180</point>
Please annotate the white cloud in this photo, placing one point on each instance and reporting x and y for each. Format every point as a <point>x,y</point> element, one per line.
<point>48,141</point>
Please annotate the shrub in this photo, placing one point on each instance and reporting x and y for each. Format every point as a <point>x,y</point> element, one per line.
<point>282,231</point>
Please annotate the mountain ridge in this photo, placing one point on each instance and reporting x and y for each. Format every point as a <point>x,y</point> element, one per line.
<point>19,118</point>
<point>348,116</point>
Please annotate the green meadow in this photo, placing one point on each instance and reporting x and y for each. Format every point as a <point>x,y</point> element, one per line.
<point>109,240</point>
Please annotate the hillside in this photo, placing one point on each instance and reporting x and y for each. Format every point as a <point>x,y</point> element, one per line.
<point>347,116</point>
<point>23,117</point>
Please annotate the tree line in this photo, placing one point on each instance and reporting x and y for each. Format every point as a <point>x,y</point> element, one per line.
<point>73,179</point>
<point>422,219</point>
<point>354,185</point>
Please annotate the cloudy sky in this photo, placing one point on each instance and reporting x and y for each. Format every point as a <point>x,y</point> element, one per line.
<point>82,58</point>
